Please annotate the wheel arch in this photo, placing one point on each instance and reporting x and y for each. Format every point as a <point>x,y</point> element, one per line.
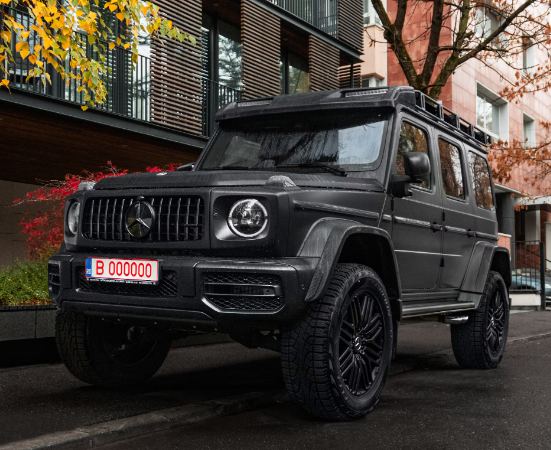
<point>346,241</point>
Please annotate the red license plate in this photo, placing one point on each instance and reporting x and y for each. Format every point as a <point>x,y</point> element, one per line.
<point>142,271</point>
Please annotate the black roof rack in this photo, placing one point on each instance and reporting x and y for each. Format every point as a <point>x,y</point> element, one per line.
<point>447,116</point>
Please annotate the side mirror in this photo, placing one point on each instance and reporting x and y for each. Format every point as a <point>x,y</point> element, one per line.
<point>186,167</point>
<point>417,168</point>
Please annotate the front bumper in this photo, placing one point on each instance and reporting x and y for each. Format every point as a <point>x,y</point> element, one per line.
<point>197,290</point>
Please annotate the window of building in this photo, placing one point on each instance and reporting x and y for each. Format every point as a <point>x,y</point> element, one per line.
<point>528,131</point>
<point>294,73</point>
<point>372,82</point>
<point>482,187</point>
<point>492,113</point>
<point>452,169</point>
<point>370,15</point>
<point>412,139</point>
<point>486,22</point>
<point>528,61</point>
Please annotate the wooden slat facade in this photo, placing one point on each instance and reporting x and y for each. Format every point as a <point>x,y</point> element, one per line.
<point>344,76</point>
<point>324,65</point>
<point>350,20</point>
<point>261,39</point>
<point>176,99</point>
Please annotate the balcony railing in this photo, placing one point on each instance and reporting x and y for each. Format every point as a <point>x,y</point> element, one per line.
<point>215,96</point>
<point>319,13</point>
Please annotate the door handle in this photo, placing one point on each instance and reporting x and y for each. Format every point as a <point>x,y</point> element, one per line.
<point>435,227</point>
<point>471,233</point>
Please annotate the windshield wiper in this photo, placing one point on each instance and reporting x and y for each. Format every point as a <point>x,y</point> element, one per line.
<point>227,168</point>
<point>326,167</point>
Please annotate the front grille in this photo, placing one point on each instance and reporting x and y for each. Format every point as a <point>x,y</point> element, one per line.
<point>244,291</point>
<point>54,280</point>
<point>177,219</point>
<point>167,287</point>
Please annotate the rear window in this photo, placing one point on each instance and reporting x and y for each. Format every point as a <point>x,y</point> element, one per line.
<point>482,186</point>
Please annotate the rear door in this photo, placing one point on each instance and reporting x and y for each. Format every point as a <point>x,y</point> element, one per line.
<point>458,212</point>
<point>417,219</point>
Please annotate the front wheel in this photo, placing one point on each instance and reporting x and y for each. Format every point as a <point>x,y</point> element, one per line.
<point>480,342</point>
<point>103,354</point>
<point>336,359</point>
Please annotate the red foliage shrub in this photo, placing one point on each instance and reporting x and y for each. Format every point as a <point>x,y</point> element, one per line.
<point>45,229</point>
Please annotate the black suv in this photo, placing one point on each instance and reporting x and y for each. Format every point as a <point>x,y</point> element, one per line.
<point>311,225</point>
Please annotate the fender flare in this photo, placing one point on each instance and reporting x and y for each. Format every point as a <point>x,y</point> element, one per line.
<point>480,263</point>
<point>325,241</point>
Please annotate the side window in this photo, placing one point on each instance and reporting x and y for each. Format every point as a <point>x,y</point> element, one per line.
<point>412,139</point>
<point>482,186</point>
<point>452,169</point>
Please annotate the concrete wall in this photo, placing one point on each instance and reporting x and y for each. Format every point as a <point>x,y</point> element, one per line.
<point>12,241</point>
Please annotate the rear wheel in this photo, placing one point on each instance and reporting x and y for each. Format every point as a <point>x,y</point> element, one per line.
<point>480,342</point>
<point>103,354</point>
<point>336,359</point>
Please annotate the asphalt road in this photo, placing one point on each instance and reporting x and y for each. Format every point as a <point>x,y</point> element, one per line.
<point>41,399</point>
<point>438,408</point>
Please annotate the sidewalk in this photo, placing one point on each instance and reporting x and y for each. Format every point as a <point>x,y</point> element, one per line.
<point>39,400</point>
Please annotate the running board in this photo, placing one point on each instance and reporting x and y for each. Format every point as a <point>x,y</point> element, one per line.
<point>423,309</point>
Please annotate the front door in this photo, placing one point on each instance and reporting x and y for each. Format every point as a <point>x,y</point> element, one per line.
<point>417,220</point>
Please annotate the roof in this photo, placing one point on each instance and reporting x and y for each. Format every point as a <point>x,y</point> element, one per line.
<point>355,98</point>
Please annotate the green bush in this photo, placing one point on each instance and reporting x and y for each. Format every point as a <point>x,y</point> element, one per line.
<point>25,284</point>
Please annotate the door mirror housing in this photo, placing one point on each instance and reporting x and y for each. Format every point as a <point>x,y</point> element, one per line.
<point>417,168</point>
<point>186,167</point>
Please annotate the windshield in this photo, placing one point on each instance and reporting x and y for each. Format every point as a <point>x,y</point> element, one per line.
<point>344,140</point>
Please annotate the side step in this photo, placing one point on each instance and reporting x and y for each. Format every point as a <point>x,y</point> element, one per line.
<point>426,308</point>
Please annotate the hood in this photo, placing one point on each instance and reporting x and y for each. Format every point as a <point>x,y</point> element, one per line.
<point>227,178</point>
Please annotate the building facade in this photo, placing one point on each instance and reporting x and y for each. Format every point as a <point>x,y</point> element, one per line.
<point>163,111</point>
<point>472,92</point>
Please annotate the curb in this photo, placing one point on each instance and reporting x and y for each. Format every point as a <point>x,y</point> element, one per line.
<point>100,434</point>
<point>118,430</point>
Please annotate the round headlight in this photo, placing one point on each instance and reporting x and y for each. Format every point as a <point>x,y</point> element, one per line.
<point>248,218</point>
<point>72,217</point>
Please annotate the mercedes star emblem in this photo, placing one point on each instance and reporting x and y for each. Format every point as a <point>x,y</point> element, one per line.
<point>140,218</point>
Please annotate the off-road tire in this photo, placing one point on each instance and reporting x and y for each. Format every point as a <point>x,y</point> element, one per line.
<point>470,342</point>
<point>310,349</point>
<point>81,343</point>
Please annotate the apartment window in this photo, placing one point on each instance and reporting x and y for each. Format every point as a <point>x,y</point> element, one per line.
<point>528,131</point>
<point>372,82</point>
<point>452,169</point>
<point>294,73</point>
<point>528,61</point>
<point>412,139</point>
<point>486,22</point>
<point>492,113</point>
<point>482,187</point>
<point>370,15</point>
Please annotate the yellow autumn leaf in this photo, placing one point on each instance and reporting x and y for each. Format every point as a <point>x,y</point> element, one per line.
<point>80,12</point>
<point>37,48</point>
<point>24,52</point>
<point>145,9</point>
<point>4,82</point>
<point>47,42</point>
<point>111,45</point>
<point>84,108</point>
<point>120,16</point>
<point>32,58</point>
<point>20,45</point>
<point>25,34</point>
<point>112,8</point>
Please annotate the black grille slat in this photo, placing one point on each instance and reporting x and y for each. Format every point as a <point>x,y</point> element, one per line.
<point>179,218</point>
<point>231,291</point>
<point>167,287</point>
<point>54,280</point>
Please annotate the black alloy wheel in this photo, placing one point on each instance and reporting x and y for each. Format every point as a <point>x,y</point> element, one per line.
<point>496,322</point>
<point>480,342</point>
<point>361,343</point>
<point>336,359</point>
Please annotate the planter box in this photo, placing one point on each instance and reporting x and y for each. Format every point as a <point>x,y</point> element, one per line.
<point>525,300</point>
<point>27,322</point>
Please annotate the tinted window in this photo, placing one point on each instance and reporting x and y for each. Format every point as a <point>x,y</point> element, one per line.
<point>412,139</point>
<point>289,142</point>
<point>452,170</point>
<point>481,182</point>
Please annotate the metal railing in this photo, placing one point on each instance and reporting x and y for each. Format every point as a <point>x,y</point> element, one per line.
<point>319,13</point>
<point>215,96</point>
<point>128,85</point>
<point>529,269</point>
